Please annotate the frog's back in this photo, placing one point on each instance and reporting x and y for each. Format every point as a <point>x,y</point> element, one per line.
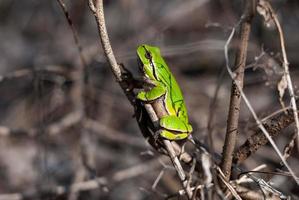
<point>174,95</point>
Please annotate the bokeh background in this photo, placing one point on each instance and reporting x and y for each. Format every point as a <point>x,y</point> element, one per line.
<point>44,144</point>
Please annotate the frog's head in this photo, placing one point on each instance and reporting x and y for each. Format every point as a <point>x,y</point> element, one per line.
<point>148,55</point>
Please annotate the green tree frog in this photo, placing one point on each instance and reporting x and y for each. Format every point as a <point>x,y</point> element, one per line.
<point>175,125</point>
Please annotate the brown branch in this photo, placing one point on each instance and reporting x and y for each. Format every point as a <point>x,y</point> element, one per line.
<point>98,10</point>
<point>274,126</point>
<point>123,78</point>
<point>234,108</point>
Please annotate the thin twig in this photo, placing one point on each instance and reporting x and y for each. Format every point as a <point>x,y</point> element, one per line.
<point>78,75</point>
<point>237,85</point>
<point>77,94</point>
<point>228,185</point>
<point>275,113</point>
<point>98,11</point>
<point>75,34</point>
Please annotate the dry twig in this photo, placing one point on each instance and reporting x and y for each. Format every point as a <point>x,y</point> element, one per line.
<point>237,85</point>
<point>274,126</point>
<point>74,32</point>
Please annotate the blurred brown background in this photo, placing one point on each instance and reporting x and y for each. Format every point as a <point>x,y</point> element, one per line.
<point>38,89</point>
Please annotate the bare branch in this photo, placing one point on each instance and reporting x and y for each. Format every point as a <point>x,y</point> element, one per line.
<point>274,126</point>
<point>98,11</point>
<point>228,184</point>
<point>235,100</point>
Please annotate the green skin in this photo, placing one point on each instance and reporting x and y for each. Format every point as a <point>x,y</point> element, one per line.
<point>175,125</point>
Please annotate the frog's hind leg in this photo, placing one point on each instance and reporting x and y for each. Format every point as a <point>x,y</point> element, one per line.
<point>173,136</point>
<point>174,123</point>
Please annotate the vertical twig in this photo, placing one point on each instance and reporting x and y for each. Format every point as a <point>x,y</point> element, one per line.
<point>75,35</point>
<point>235,100</point>
<point>96,6</point>
<point>98,11</point>
<point>78,75</point>
<point>78,98</point>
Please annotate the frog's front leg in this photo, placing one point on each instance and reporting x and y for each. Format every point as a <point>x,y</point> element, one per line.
<point>147,96</point>
<point>153,94</point>
<point>174,128</point>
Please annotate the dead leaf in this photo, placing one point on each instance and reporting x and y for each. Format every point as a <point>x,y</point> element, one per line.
<point>281,87</point>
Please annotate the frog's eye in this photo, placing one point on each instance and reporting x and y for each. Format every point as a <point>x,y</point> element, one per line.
<point>148,55</point>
